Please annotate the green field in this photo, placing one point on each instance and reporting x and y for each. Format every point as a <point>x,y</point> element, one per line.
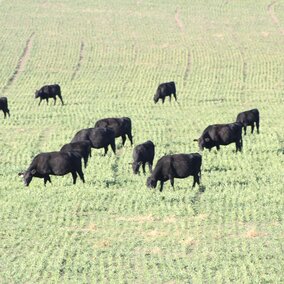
<point>109,57</point>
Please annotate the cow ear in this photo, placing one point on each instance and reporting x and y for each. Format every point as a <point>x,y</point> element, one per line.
<point>33,171</point>
<point>207,139</point>
<point>20,174</point>
<point>195,140</point>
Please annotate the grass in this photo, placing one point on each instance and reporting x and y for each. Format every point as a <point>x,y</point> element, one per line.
<point>225,57</point>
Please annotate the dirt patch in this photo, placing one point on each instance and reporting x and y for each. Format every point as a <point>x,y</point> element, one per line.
<point>178,21</point>
<point>265,34</point>
<point>274,18</point>
<point>21,62</point>
<point>148,251</point>
<point>77,67</point>
<point>138,219</point>
<point>170,219</point>
<point>188,241</point>
<point>253,233</point>
<point>154,234</point>
<point>101,244</point>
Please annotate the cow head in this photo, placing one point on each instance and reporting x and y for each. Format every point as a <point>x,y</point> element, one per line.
<point>203,142</point>
<point>151,182</point>
<point>156,98</point>
<point>27,176</point>
<point>36,94</point>
<point>135,167</point>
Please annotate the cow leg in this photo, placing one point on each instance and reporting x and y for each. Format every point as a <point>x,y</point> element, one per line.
<point>123,139</point>
<point>74,175</point>
<point>163,100</point>
<point>170,97</point>
<point>85,160</point>
<point>40,101</point>
<point>106,149</point>
<point>245,129</point>
<point>113,147</point>
<point>218,147</point>
<point>175,96</point>
<point>47,101</point>
<point>81,175</point>
<point>61,99</point>
<point>172,181</point>
<point>195,180</point>
<point>239,145</point>
<point>257,127</point>
<point>162,185</point>
<point>129,135</point>
<point>54,100</point>
<point>4,113</point>
<point>150,166</point>
<point>143,167</point>
<point>46,179</point>
<point>252,128</point>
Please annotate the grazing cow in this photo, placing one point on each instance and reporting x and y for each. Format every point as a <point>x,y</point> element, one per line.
<point>120,126</point>
<point>4,106</point>
<point>142,154</point>
<point>164,90</point>
<point>99,137</point>
<point>53,163</point>
<point>221,134</point>
<point>49,91</point>
<point>176,166</point>
<point>83,148</point>
<point>249,117</point>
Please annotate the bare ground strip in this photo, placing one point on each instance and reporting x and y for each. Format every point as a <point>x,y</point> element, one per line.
<point>21,62</point>
<point>79,61</point>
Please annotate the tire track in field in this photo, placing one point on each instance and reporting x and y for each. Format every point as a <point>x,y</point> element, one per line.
<point>188,62</point>
<point>244,65</point>
<point>21,62</point>
<point>79,61</point>
<point>178,21</point>
<point>274,18</point>
<point>187,68</point>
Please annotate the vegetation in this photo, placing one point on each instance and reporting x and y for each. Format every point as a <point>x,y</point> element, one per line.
<point>109,57</point>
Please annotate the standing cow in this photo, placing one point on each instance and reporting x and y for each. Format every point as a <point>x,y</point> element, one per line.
<point>82,148</point>
<point>176,166</point>
<point>53,163</point>
<point>164,90</point>
<point>221,134</point>
<point>99,137</point>
<point>4,106</point>
<point>248,118</point>
<point>49,91</point>
<point>142,154</point>
<point>121,127</point>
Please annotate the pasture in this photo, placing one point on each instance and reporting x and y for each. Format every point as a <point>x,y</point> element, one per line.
<point>109,57</point>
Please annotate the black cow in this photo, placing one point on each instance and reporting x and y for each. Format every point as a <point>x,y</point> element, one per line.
<point>99,137</point>
<point>176,166</point>
<point>164,90</point>
<point>49,91</point>
<point>249,117</point>
<point>120,126</point>
<point>142,154</point>
<point>53,163</point>
<point>83,148</point>
<point>221,134</point>
<point>4,106</point>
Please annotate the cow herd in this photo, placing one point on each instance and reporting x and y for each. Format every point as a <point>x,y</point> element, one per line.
<point>69,158</point>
